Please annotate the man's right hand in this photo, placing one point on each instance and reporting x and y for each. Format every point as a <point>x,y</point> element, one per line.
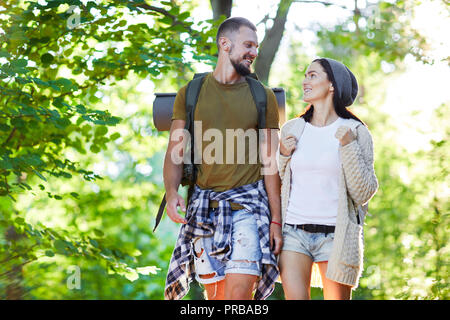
<point>173,202</point>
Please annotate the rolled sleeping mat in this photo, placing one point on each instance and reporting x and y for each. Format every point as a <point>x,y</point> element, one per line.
<point>163,108</point>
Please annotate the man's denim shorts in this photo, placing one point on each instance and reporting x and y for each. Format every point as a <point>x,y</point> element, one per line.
<point>315,245</point>
<point>245,256</point>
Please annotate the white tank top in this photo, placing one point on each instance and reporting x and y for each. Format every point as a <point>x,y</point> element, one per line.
<point>315,169</point>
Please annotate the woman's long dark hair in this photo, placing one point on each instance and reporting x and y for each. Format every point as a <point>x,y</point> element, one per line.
<point>339,108</point>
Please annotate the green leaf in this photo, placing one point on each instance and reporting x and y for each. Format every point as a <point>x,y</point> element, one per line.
<point>114,136</point>
<point>166,20</point>
<point>93,242</point>
<point>33,160</point>
<point>80,109</point>
<point>26,185</point>
<point>49,253</point>
<point>19,63</point>
<point>60,246</point>
<point>101,130</point>
<point>183,16</point>
<point>94,148</point>
<point>5,163</point>
<point>39,175</point>
<point>99,233</point>
<point>20,220</point>
<point>65,84</point>
<point>75,195</point>
<point>148,270</point>
<point>131,274</point>
<point>4,54</point>
<point>22,81</point>
<point>39,82</point>
<point>47,58</point>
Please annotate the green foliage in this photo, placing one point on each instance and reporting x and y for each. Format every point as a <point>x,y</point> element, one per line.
<point>381,31</point>
<point>407,238</point>
<point>56,59</point>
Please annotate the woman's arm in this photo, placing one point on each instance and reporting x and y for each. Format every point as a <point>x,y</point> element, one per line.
<point>357,160</point>
<point>282,162</point>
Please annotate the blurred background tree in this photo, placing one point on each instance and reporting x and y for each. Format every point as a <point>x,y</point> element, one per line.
<point>81,160</point>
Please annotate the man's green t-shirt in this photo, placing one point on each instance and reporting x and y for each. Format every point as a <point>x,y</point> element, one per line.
<point>221,107</point>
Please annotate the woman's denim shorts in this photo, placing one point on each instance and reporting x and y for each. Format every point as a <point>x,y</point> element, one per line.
<point>245,256</point>
<point>317,246</point>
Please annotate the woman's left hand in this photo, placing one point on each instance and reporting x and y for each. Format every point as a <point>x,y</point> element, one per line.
<point>344,135</point>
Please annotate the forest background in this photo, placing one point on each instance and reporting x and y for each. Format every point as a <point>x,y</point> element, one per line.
<point>81,160</point>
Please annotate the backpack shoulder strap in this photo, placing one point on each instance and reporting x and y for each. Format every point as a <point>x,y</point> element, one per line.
<point>198,75</point>
<point>260,98</point>
<point>192,91</point>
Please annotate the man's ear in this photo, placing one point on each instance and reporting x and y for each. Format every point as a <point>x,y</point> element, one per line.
<point>225,44</point>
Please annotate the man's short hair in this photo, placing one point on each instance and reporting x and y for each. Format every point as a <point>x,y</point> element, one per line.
<point>233,25</point>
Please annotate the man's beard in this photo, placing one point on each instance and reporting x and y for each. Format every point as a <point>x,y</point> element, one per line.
<point>240,68</point>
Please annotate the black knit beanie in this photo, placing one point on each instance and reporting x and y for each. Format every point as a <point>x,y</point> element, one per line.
<point>347,86</point>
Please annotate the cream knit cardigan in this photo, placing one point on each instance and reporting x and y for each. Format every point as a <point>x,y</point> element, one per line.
<point>357,185</point>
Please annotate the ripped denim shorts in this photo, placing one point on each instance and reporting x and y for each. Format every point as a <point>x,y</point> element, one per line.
<point>245,255</point>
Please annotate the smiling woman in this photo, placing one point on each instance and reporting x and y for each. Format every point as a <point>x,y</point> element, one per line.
<point>322,208</point>
<point>320,81</point>
<point>316,84</point>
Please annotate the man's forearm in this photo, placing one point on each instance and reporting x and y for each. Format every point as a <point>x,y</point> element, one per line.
<point>172,174</point>
<point>270,172</point>
<point>272,184</point>
<point>173,166</point>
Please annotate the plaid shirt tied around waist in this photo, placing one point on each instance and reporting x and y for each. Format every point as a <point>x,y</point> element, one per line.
<point>199,224</point>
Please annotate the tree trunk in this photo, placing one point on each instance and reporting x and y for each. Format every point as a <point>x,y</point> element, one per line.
<point>221,7</point>
<point>14,278</point>
<point>271,42</point>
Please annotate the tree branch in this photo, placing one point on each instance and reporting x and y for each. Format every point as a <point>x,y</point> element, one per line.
<point>264,20</point>
<point>271,41</point>
<point>20,265</point>
<point>10,136</point>
<point>18,255</point>
<point>325,3</point>
<point>167,14</point>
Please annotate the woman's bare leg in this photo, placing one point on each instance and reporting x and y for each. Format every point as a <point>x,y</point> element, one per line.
<point>333,290</point>
<point>295,271</point>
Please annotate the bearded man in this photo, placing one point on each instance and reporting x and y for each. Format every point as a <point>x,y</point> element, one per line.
<point>231,231</point>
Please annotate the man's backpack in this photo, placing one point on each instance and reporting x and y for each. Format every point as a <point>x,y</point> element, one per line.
<point>192,91</point>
